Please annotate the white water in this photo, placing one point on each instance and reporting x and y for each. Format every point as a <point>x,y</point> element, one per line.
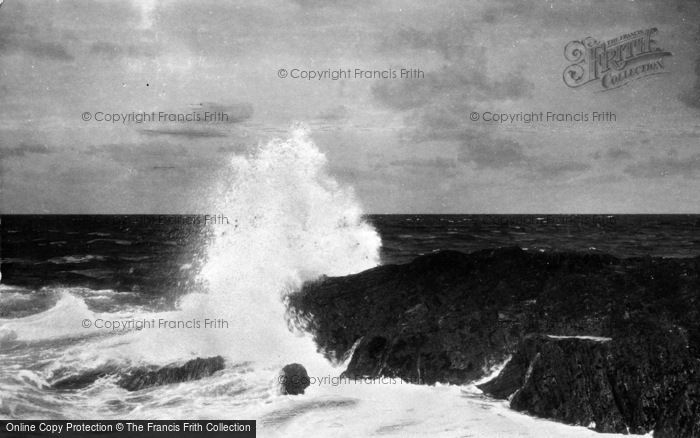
<point>290,222</point>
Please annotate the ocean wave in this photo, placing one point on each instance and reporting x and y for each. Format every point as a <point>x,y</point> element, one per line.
<point>94,273</point>
<point>116,241</point>
<point>61,320</point>
<point>73,259</point>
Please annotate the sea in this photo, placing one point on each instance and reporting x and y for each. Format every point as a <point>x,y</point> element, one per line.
<point>79,293</point>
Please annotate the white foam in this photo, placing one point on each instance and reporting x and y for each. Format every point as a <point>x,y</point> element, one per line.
<point>588,338</point>
<point>289,221</point>
<point>293,223</point>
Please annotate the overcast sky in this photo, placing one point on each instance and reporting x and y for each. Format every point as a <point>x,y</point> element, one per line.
<point>405,145</point>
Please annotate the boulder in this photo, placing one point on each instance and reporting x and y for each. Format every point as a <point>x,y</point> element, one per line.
<point>294,379</point>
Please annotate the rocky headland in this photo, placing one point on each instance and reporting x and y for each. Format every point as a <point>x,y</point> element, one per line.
<point>595,340</point>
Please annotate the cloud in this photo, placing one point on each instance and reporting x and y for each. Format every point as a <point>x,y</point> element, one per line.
<point>111,50</point>
<point>156,155</point>
<point>20,33</point>
<point>187,133</point>
<point>456,84</point>
<point>692,97</point>
<point>319,4</point>
<point>437,107</point>
<point>335,113</point>
<point>236,112</point>
<point>452,43</point>
<point>657,167</point>
<point>546,16</point>
<point>489,152</point>
<point>558,169</point>
<point>615,154</point>
<point>436,163</point>
<point>24,149</point>
<point>203,119</point>
<point>12,42</point>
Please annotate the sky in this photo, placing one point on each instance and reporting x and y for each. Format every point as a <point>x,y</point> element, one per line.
<point>405,145</point>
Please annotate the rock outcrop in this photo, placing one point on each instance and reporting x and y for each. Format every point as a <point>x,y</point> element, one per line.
<point>294,379</point>
<point>612,386</point>
<point>84,379</point>
<point>449,316</point>
<point>194,369</point>
<point>135,379</point>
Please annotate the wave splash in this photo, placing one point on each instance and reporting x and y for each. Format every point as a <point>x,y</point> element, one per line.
<point>289,221</point>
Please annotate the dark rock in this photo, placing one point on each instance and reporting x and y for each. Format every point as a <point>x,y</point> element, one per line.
<point>681,416</point>
<point>561,378</point>
<point>139,378</point>
<point>192,370</point>
<point>448,317</point>
<point>294,379</point>
<point>85,379</point>
<point>621,386</point>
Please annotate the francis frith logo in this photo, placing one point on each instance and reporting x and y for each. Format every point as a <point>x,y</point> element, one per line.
<point>615,62</point>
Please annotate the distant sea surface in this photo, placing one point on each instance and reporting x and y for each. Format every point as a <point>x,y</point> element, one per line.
<point>156,255</point>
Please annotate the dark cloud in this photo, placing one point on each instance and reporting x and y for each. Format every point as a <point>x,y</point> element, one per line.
<point>332,114</point>
<point>20,32</point>
<point>24,149</point>
<point>617,154</point>
<point>437,163</point>
<point>558,169</point>
<point>236,112</point>
<point>458,84</point>
<point>489,152</point>
<point>11,42</point>
<point>693,98</point>
<point>186,133</point>
<point>437,107</point>
<point>670,166</point>
<point>158,155</point>
<point>213,117</point>
<point>452,43</point>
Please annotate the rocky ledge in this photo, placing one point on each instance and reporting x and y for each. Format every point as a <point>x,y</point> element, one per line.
<point>620,336</point>
<point>138,378</point>
<point>612,386</point>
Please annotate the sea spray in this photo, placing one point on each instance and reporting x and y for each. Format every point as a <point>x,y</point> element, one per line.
<point>293,222</point>
<point>290,221</point>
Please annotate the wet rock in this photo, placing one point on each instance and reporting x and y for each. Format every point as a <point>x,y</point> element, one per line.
<point>143,377</point>
<point>448,317</point>
<point>194,369</point>
<point>83,380</point>
<point>620,386</point>
<point>294,379</point>
<point>563,379</point>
